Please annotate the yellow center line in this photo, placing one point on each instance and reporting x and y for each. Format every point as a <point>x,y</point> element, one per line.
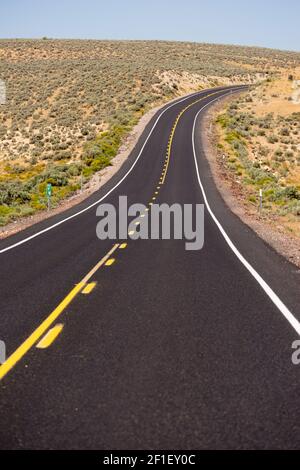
<point>40,330</point>
<point>89,288</point>
<point>110,262</point>
<point>15,357</point>
<point>50,337</point>
<point>101,263</point>
<point>170,142</point>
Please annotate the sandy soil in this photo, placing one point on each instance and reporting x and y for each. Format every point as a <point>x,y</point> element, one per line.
<point>270,230</point>
<point>278,96</point>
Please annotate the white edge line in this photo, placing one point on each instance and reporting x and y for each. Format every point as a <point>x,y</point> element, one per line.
<point>270,293</point>
<point>51,227</point>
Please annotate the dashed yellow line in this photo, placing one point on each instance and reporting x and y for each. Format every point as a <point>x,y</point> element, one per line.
<point>99,265</point>
<point>50,337</point>
<point>170,142</point>
<point>110,262</point>
<point>107,261</point>
<point>45,325</point>
<point>123,246</point>
<point>89,288</point>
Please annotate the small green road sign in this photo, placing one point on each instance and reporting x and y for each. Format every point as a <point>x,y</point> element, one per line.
<point>49,190</point>
<point>48,195</point>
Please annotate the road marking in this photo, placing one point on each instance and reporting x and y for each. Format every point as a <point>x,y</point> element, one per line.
<point>41,330</point>
<point>110,262</point>
<point>15,357</point>
<point>123,246</point>
<point>100,264</point>
<point>51,227</point>
<point>36,335</point>
<point>50,337</point>
<point>270,293</point>
<point>132,232</point>
<point>89,288</point>
<point>170,143</point>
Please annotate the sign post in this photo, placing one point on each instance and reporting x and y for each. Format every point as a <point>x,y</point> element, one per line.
<point>260,199</point>
<point>48,195</point>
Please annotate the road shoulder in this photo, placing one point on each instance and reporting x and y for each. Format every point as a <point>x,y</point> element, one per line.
<point>269,230</point>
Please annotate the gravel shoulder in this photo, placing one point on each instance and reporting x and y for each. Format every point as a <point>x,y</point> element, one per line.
<point>269,229</point>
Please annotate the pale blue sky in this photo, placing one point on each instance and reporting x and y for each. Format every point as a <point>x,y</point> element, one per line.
<point>271,23</point>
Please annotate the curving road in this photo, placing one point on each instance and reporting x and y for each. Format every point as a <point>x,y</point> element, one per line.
<point>147,345</point>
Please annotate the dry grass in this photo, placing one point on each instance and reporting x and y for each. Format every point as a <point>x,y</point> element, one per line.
<point>259,135</point>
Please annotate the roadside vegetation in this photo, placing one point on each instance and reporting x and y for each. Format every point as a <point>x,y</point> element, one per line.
<point>70,105</point>
<point>259,140</point>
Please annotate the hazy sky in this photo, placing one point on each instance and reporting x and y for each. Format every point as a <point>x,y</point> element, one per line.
<point>271,23</point>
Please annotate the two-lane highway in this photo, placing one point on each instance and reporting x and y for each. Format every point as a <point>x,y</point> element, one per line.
<point>142,344</point>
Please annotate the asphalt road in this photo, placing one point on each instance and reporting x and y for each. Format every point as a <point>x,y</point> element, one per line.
<point>167,348</point>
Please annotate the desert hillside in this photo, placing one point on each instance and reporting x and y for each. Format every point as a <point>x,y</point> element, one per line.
<point>71,103</point>
<point>259,141</point>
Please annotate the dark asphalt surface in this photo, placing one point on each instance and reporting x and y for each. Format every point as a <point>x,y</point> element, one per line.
<point>172,349</point>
